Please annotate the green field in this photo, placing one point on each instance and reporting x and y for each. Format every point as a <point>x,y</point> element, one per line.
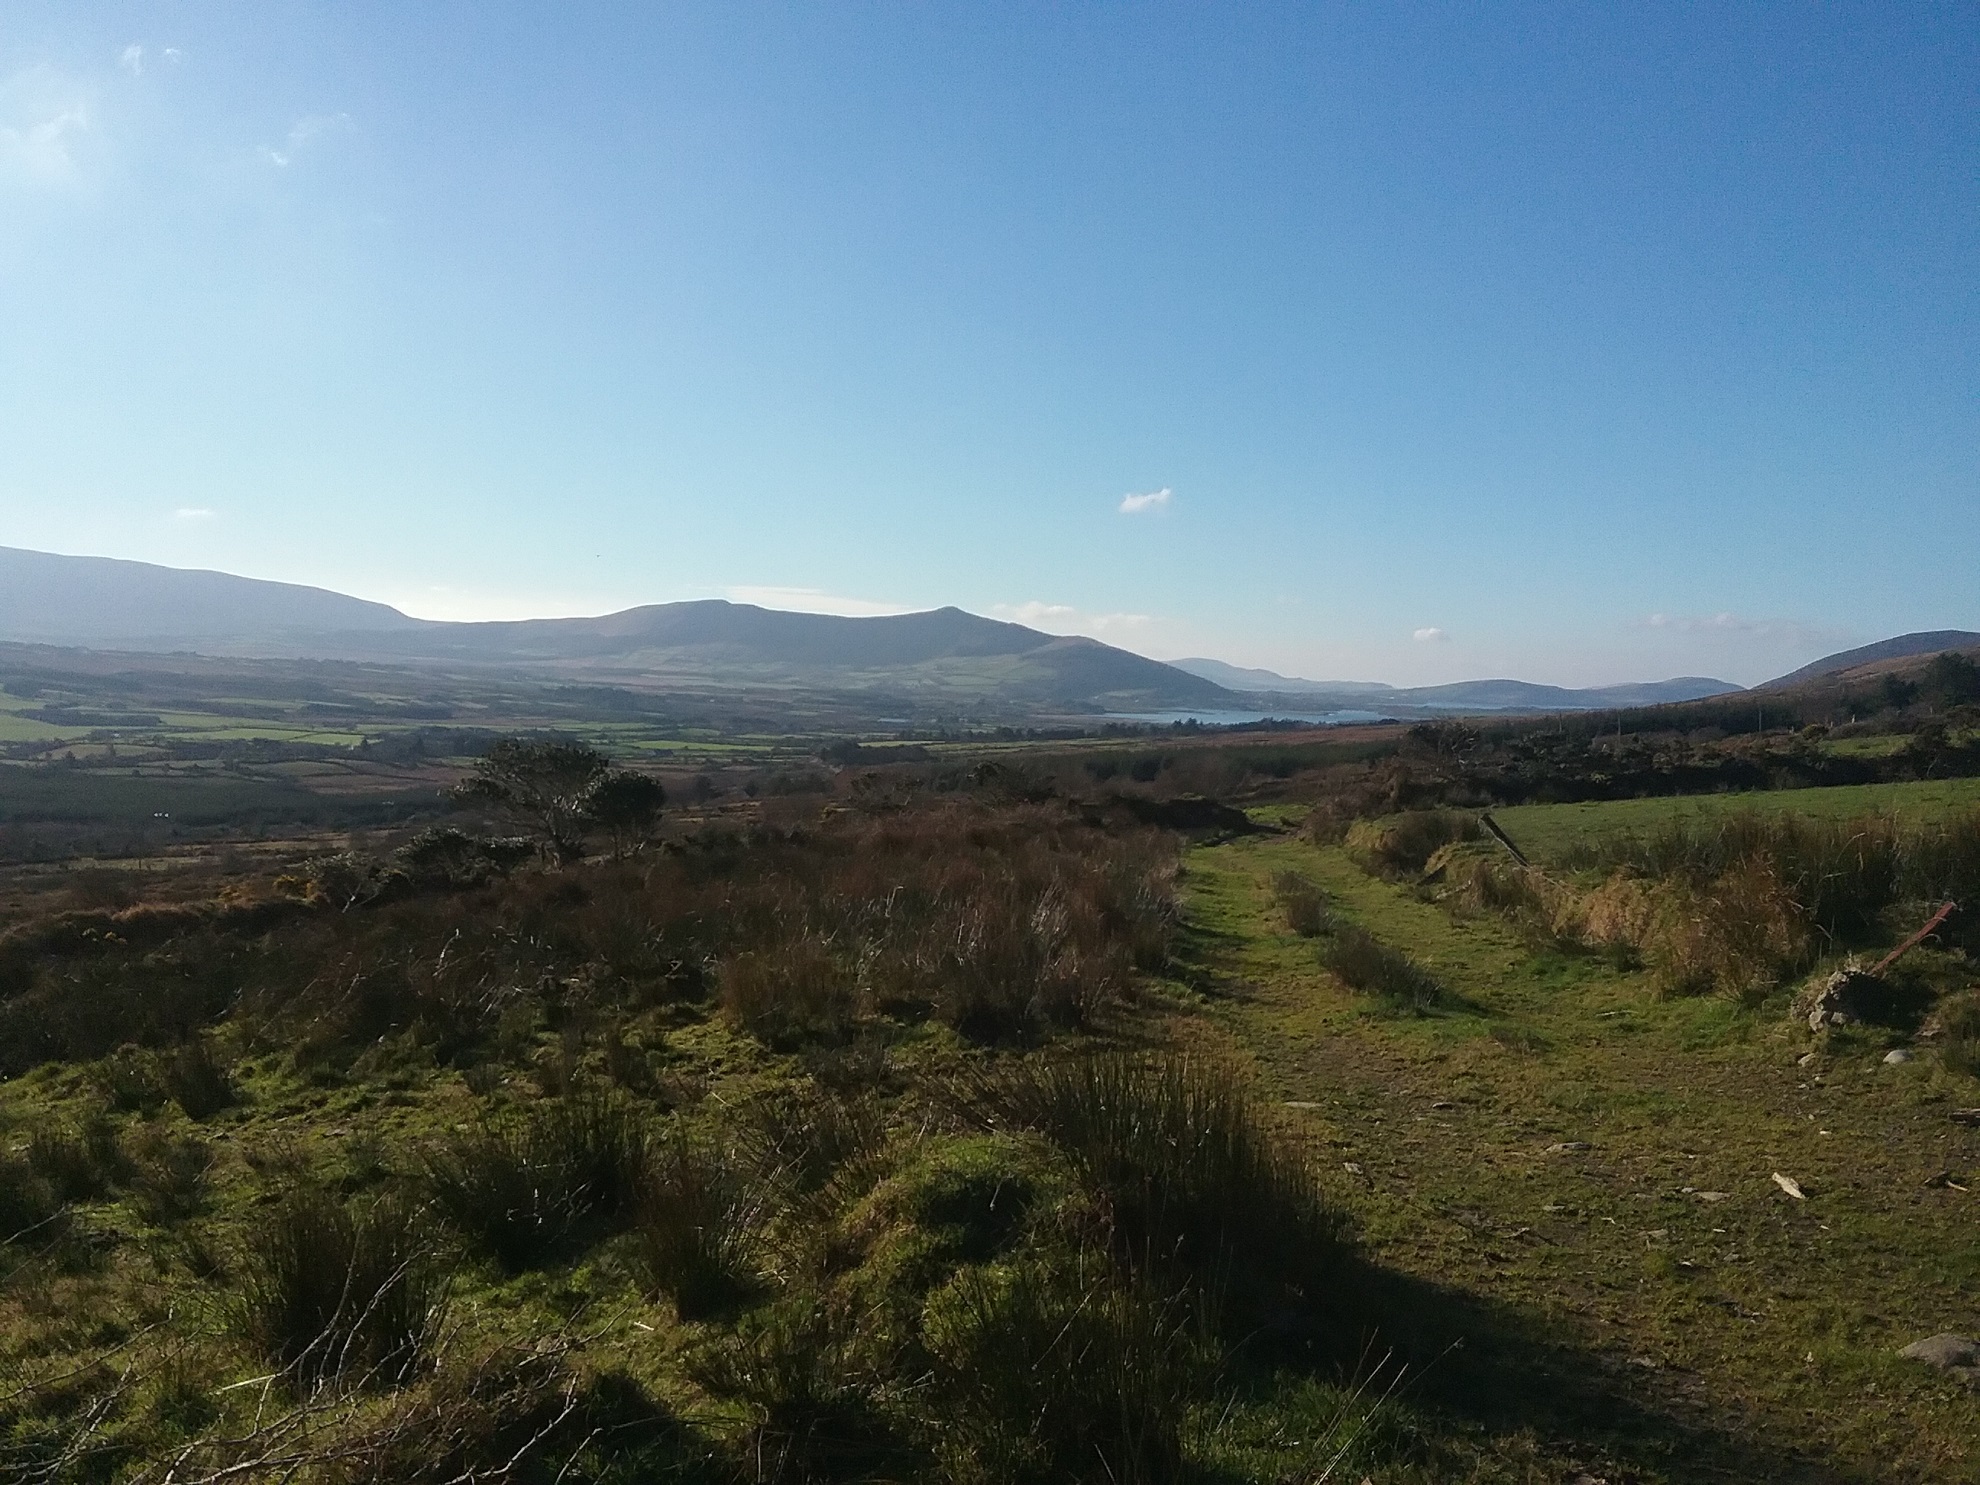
<point>1545,831</point>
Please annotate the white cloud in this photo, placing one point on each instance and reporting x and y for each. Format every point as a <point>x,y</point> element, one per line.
<point>302,134</point>
<point>813,601</point>
<point>1153,500</point>
<point>173,55</point>
<point>1431,636</point>
<point>193,513</point>
<point>1063,618</point>
<point>1792,631</point>
<point>45,121</point>
<point>132,61</point>
<point>1688,623</point>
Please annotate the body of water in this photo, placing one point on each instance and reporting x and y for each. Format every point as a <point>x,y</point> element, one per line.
<point>1240,719</point>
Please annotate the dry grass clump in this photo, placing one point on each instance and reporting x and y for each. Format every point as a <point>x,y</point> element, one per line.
<point>1737,904</point>
<point>1190,1177</point>
<point>168,1173</point>
<point>1401,845</point>
<point>792,994</point>
<point>813,1391</point>
<point>1363,962</point>
<point>697,1217</point>
<point>526,1185</point>
<point>1839,874</point>
<point>30,1206</point>
<point>332,1292</point>
<point>1304,903</point>
<point>1959,1044</point>
<point>1005,920</point>
<point>1065,1372</point>
<point>81,1160</point>
<point>195,1077</point>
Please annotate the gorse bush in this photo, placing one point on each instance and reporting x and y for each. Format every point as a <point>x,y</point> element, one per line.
<point>335,1292</point>
<point>525,1185</point>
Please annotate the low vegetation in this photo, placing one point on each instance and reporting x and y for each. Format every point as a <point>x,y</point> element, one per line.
<point>1017,1118</point>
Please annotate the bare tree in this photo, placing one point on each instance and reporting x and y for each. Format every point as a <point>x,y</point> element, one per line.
<point>544,784</point>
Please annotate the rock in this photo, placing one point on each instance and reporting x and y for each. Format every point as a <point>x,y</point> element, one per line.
<point>1845,998</point>
<point>1958,1355</point>
<point>1300,1103</point>
<point>1791,1186</point>
<point>1350,1167</point>
<point>1945,1180</point>
<point>1713,1196</point>
<point>1569,1147</point>
<point>1807,1059</point>
<point>1443,1103</point>
<point>1897,1055</point>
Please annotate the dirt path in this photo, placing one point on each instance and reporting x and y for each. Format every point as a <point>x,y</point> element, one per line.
<point>1583,1174</point>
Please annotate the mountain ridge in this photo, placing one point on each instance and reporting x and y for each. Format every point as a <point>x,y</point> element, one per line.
<point>1898,647</point>
<point>109,603</point>
<point>944,653</point>
<point>1496,694</point>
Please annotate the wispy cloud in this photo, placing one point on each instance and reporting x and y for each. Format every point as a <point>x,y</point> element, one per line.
<point>813,601</point>
<point>1431,635</point>
<point>46,119</point>
<point>1063,618</point>
<point>1141,505</point>
<point>132,61</point>
<point>1794,631</point>
<point>304,133</point>
<point>194,513</point>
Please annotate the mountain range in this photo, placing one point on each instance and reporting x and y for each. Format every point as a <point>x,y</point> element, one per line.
<point>1484,696</point>
<point>712,645</point>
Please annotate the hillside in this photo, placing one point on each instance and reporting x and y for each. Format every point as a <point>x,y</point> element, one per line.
<point>98,601</point>
<point>946,653</point>
<point>1903,647</point>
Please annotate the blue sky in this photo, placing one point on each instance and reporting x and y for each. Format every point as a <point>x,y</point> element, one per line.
<point>1575,343</point>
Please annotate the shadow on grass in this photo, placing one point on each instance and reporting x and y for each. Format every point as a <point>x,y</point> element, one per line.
<point>1503,1372</point>
<point>1201,959</point>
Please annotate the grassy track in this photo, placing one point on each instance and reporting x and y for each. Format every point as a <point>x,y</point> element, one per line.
<point>1618,1321</point>
<point>1546,830</point>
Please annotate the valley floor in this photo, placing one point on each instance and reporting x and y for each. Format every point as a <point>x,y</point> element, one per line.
<point>1574,1180</point>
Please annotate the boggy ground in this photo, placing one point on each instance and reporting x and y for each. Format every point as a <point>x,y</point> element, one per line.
<point>1574,1179</point>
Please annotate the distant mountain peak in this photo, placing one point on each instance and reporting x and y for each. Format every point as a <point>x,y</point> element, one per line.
<point>946,652</point>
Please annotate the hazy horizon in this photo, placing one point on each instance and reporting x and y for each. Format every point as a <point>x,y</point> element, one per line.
<point>1567,345</point>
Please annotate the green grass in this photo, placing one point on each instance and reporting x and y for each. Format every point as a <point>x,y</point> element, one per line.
<point>1640,1329</point>
<point>1545,831</point>
<point>1516,1166</point>
<point>25,729</point>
